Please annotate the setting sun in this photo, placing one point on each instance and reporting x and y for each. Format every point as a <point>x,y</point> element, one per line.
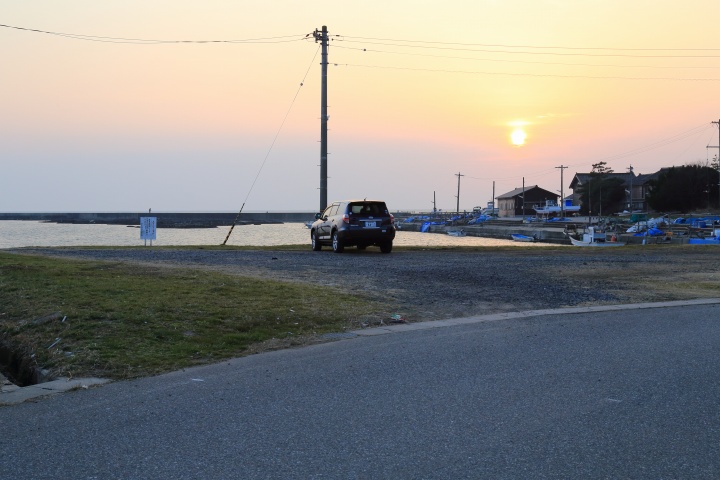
<point>518,137</point>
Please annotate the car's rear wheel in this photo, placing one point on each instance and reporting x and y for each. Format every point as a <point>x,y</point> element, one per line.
<point>337,244</point>
<point>315,241</point>
<point>386,247</point>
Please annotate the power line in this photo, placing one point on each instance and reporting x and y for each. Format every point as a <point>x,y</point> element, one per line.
<point>530,62</point>
<point>144,41</point>
<point>531,46</point>
<point>547,75</point>
<point>695,131</point>
<point>573,51</point>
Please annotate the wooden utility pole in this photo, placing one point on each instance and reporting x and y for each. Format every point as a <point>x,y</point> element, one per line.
<point>562,194</point>
<point>632,175</point>
<point>493,198</point>
<point>322,37</point>
<point>458,195</point>
<point>718,159</point>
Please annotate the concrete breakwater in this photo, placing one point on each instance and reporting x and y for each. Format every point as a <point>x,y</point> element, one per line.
<point>165,219</point>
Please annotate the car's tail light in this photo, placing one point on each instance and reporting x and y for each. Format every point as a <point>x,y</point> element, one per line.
<point>346,218</point>
<point>392,219</point>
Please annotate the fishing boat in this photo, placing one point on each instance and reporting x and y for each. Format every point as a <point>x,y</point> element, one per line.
<point>456,233</point>
<point>551,207</point>
<point>519,237</point>
<point>594,237</point>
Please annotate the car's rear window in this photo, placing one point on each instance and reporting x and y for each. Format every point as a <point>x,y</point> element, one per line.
<point>368,208</point>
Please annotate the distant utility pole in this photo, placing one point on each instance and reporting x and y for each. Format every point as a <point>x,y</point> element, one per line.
<point>458,195</point>
<point>632,175</point>
<point>562,193</point>
<point>322,37</point>
<point>718,158</point>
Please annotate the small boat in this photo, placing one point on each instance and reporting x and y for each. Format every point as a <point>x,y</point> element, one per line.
<point>551,207</point>
<point>580,243</point>
<point>519,237</point>
<point>456,233</point>
<point>595,238</point>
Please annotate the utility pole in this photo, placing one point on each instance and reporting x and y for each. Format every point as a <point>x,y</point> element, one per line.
<point>322,37</point>
<point>718,160</point>
<point>562,193</point>
<point>632,175</point>
<point>523,197</point>
<point>589,192</point>
<point>493,198</point>
<point>458,195</point>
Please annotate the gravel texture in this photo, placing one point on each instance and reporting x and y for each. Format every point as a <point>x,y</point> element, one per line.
<point>432,284</point>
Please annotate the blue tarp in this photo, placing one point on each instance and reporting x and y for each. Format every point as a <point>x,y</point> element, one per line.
<point>479,219</point>
<point>426,226</point>
<point>704,241</point>
<point>698,222</point>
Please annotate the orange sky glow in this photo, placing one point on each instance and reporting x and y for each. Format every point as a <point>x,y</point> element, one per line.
<point>417,92</point>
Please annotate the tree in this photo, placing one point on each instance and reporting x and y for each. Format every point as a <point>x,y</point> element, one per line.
<point>603,193</point>
<point>686,188</point>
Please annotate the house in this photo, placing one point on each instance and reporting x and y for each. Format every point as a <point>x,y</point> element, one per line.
<point>521,201</point>
<point>637,184</point>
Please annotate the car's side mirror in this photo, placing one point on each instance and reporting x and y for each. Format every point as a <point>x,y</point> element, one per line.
<point>317,216</point>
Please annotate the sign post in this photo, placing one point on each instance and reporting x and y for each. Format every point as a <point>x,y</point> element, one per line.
<point>148,228</point>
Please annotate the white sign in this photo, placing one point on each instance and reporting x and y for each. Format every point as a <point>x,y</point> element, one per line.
<point>148,227</point>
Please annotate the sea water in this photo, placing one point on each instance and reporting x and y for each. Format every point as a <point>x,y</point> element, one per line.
<point>24,233</point>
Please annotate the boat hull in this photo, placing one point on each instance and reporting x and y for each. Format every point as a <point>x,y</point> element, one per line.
<point>521,238</point>
<point>580,243</point>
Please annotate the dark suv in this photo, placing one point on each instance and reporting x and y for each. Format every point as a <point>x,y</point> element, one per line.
<point>354,222</point>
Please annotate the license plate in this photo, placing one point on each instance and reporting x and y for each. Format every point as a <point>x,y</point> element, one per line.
<point>370,224</point>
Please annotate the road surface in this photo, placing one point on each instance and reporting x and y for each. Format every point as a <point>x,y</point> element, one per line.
<point>618,394</point>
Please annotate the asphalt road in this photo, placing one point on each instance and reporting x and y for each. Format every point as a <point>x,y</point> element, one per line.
<point>629,394</point>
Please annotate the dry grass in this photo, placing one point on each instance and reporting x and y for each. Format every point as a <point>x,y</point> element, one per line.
<point>120,320</point>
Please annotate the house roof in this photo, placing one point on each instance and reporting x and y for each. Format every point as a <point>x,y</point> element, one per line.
<point>583,178</point>
<point>519,191</point>
<point>643,179</point>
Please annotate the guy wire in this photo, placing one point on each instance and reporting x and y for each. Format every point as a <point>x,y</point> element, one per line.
<point>271,146</point>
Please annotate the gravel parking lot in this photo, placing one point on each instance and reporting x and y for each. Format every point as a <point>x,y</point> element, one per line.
<point>426,284</point>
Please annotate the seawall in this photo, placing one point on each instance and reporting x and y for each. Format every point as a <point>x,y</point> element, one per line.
<point>499,228</point>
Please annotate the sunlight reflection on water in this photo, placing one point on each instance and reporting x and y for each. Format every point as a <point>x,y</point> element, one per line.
<point>17,233</point>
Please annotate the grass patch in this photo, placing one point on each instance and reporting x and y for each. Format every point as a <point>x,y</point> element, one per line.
<point>125,321</point>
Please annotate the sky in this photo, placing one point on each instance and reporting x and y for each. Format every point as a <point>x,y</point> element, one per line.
<point>221,110</point>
